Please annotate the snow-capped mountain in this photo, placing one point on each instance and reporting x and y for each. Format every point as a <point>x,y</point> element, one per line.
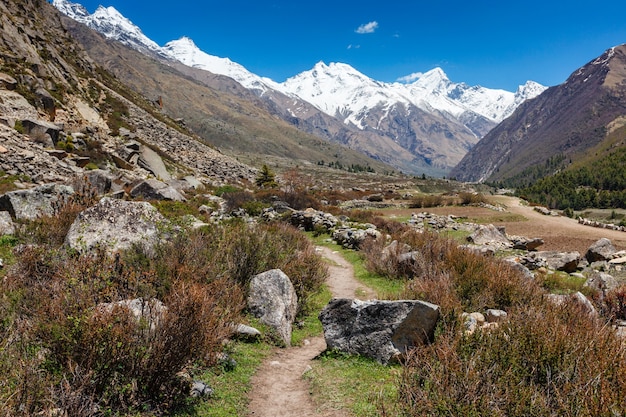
<point>435,119</point>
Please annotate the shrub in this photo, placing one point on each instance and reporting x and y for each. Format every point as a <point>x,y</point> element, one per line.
<point>531,365</point>
<point>426,200</point>
<point>472,198</point>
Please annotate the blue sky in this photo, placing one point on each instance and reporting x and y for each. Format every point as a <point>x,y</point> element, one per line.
<point>496,44</point>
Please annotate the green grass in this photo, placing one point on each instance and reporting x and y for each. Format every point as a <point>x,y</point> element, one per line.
<point>385,288</point>
<point>230,398</point>
<point>354,383</point>
<point>310,325</point>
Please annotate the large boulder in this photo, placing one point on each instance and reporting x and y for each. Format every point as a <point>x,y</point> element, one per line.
<point>150,312</point>
<point>311,219</point>
<point>353,238</point>
<point>30,204</point>
<point>273,300</point>
<point>559,261</point>
<point>382,330</point>
<point>490,235</point>
<point>601,250</point>
<point>152,189</point>
<point>116,225</point>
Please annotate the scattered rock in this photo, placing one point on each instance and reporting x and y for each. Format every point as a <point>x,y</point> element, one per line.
<point>382,330</point>
<point>273,300</point>
<point>149,311</point>
<point>200,389</point>
<point>559,261</point>
<point>245,332</point>
<point>353,238</point>
<point>601,282</point>
<point>311,219</point>
<point>495,316</point>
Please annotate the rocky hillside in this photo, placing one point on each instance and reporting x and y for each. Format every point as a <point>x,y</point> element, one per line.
<point>566,121</point>
<point>61,114</point>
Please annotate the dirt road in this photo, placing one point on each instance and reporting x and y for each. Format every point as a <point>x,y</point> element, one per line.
<point>278,387</point>
<point>559,233</point>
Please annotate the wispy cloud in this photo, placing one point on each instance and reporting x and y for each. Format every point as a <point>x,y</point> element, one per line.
<point>367,28</point>
<point>354,46</point>
<point>410,78</point>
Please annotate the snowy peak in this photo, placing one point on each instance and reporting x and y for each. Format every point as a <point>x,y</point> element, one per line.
<point>109,22</point>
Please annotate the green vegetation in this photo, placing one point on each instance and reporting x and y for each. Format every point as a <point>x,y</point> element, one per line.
<point>600,184</point>
<point>63,349</point>
<point>266,178</point>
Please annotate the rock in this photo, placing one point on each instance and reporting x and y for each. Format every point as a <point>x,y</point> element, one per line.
<point>151,161</point>
<point>514,262</point>
<point>7,82</point>
<point>6,224</point>
<point>116,225</point>
<point>489,235</point>
<point>95,181</point>
<point>602,250</point>
<point>36,128</point>
<point>495,316</point>
<point>152,189</point>
<point>311,219</point>
<point>601,282</point>
<point>29,204</point>
<point>382,330</point>
<point>200,389</point>
<point>524,243</point>
<point>245,332</point>
<point>353,238</point>
<point>577,298</point>
<point>559,261</point>
<point>273,300</point>
<point>479,317</point>
<point>150,312</point>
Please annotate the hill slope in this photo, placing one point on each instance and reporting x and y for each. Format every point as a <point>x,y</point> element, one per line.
<point>568,119</point>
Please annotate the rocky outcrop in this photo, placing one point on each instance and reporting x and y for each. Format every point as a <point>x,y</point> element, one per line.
<point>116,225</point>
<point>273,300</point>
<point>382,330</point>
<point>311,219</point>
<point>353,237</point>
<point>29,204</point>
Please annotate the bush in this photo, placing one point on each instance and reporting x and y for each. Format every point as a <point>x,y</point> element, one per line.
<point>472,198</point>
<point>530,365</point>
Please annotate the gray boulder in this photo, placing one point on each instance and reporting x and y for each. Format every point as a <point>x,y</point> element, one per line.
<point>601,282</point>
<point>382,330</point>
<point>245,332</point>
<point>525,243</point>
<point>311,219</point>
<point>30,204</point>
<point>559,261</point>
<point>150,312</point>
<point>36,128</point>
<point>116,225</point>
<point>273,300</point>
<point>489,235</point>
<point>6,224</point>
<point>601,250</point>
<point>151,161</point>
<point>152,189</point>
<point>352,238</point>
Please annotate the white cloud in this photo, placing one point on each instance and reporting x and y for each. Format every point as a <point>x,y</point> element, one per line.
<point>367,28</point>
<point>410,78</point>
<point>354,46</point>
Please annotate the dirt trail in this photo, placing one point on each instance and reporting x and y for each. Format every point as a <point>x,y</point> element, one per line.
<point>278,389</point>
<point>559,233</point>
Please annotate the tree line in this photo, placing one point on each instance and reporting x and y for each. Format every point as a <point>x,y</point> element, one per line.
<point>599,184</point>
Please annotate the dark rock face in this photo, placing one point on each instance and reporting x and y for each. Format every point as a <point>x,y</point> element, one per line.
<point>381,330</point>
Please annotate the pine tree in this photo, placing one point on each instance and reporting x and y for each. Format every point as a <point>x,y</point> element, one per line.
<point>266,178</point>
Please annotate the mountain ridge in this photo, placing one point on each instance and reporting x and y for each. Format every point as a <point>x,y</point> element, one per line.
<point>567,119</point>
<point>455,112</point>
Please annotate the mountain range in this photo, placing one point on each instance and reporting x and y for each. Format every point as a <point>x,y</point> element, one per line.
<point>426,126</point>
<point>574,121</point>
